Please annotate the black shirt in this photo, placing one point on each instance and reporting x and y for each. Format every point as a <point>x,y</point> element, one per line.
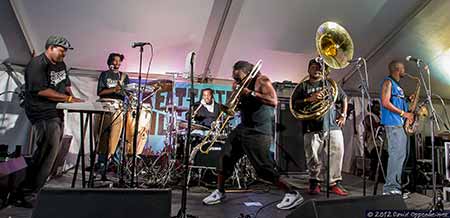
<point>256,115</point>
<point>41,74</point>
<point>108,79</point>
<point>204,117</point>
<point>328,121</point>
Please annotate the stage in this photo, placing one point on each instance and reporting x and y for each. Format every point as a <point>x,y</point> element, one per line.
<point>233,206</point>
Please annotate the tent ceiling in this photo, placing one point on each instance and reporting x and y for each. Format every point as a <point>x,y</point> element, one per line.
<point>279,32</point>
<point>96,28</point>
<point>427,37</point>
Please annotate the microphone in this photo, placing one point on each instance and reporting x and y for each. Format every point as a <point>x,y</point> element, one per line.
<point>318,59</point>
<point>412,59</point>
<point>187,64</point>
<point>139,44</point>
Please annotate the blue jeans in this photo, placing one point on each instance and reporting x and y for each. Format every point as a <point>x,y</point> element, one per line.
<point>398,149</point>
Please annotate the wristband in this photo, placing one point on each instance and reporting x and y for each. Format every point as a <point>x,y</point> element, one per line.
<point>402,113</point>
<point>69,99</point>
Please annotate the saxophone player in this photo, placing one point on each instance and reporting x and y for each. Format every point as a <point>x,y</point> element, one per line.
<point>394,111</point>
<point>253,137</point>
<point>315,132</point>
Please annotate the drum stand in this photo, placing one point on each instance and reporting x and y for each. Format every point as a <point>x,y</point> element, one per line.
<point>126,105</point>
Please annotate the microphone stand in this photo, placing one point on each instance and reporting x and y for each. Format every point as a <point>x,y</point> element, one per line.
<point>432,120</point>
<point>126,104</point>
<point>137,115</point>
<point>182,212</point>
<point>364,88</point>
<point>328,131</point>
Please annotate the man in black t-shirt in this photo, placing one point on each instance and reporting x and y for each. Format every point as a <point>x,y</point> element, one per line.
<point>253,137</point>
<point>111,85</point>
<point>207,110</point>
<point>316,131</point>
<point>46,84</point>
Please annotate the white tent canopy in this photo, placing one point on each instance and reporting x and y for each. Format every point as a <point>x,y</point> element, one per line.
<point>222,32</point>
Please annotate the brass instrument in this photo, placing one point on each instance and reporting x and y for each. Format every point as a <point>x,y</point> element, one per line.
<point>194,114</point>
<point>418,111</point>
<point>335,47</point>
<point>227,112</point>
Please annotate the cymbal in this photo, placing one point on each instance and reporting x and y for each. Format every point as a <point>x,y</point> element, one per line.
<point>133,87</point>
<point>184,125</point>
<point>177,108</point>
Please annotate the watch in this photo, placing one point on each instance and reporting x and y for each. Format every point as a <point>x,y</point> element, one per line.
<point>253,93</point>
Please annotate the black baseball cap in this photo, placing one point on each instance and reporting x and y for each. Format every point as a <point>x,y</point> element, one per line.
<point>58,41</point>
<point>313,61</point>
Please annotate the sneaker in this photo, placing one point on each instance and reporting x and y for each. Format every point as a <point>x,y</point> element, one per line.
<point>214,198</point>
<point>290,201</point>
<point>405,195</point>
<point>314,189</point>
<point>339,189</point>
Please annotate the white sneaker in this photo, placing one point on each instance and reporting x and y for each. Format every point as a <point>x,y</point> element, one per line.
<point>290,201</point>
<point>214,198</point>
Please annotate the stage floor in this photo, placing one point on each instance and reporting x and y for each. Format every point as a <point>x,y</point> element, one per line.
<point>234,205</point>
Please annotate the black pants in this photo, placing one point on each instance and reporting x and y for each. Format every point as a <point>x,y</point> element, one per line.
<point>256,146</point>
<point>47,136</point>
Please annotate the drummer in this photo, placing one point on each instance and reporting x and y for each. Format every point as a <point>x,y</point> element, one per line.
<point>110,86</point>
<point>207,110</point>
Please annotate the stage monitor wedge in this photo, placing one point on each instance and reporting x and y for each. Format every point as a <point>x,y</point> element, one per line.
<point>347,207</point>
<point>103,203</point>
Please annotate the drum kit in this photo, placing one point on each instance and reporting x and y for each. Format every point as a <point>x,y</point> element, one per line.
<point>165,167</point>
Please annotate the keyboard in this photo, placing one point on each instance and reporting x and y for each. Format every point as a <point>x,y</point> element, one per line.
<point>86,107</point>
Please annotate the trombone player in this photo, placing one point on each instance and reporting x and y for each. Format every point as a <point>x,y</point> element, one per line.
<point>315,131</point>
<point>253,136</point>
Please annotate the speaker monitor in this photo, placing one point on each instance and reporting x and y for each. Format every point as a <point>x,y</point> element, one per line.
<point>103,203</point>
<point>289,140</point>
<point>348,207</point>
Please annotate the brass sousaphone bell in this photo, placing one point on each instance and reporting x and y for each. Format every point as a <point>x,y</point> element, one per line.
<point>335,47</point>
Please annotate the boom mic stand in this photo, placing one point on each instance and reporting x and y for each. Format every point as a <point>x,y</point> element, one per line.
<point>182,212</point>
<point>138,112</point>
<point>433,118</point>
<point>364,88</point>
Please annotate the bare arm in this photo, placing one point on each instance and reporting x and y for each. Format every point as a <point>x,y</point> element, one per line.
<point>344,106</point>
<point>68,91</point>
<point>386,97</point>
<point>265,91</point>
<point>341,120</point>
<point>53,95</point>
<point>386,101</point>
<point>107,91</point>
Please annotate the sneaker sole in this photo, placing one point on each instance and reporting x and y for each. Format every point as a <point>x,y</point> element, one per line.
<point>295,204</point>
<point>213,202</point>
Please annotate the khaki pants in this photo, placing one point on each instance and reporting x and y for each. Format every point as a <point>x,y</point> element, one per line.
<point>316,155</point>
<point>110,133</point>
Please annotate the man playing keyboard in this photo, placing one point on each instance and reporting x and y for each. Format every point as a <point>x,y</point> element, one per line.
<point>46,84</point>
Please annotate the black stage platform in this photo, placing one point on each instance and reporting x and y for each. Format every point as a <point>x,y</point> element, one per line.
<point>234,205</point>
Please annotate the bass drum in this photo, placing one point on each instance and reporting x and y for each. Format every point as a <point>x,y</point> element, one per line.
<point>145,119</point>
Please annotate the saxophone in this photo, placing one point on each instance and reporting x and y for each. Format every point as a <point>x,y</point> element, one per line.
<point>411,126</point>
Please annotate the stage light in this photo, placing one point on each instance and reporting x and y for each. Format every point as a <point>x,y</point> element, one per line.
<point>442,66</point>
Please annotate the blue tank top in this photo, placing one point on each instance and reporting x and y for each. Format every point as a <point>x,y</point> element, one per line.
<point>389,118</point>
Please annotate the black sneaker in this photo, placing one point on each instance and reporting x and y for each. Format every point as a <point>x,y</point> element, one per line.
<point>314,187</point>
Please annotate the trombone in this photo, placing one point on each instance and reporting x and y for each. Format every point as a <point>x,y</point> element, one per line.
<point>227,112</point>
